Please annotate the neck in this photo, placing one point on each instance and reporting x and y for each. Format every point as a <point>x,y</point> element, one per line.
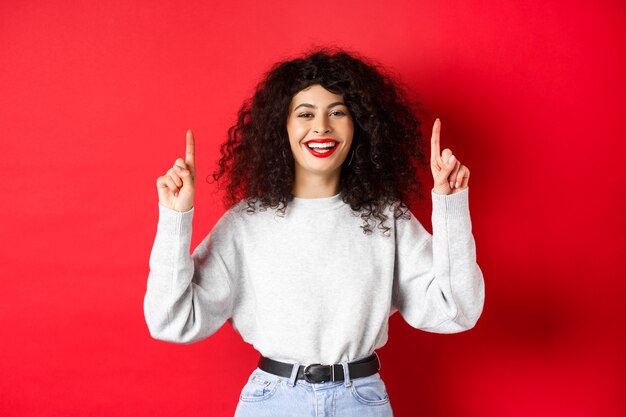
<point>316,186</point>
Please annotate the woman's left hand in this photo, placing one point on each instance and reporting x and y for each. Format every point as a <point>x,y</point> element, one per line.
<point>449,174</point>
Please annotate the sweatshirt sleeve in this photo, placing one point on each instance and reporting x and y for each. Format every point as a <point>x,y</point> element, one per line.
<point>438,286</point>
<point>188,297</point>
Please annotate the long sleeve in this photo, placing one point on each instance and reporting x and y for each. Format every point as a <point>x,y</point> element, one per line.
<point>188,297</point>
<point>438,286</point>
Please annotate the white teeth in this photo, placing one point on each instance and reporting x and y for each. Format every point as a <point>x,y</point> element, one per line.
<point>321,145</point>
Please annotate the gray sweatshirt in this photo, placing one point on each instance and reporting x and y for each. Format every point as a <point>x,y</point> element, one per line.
<point>311,287</point>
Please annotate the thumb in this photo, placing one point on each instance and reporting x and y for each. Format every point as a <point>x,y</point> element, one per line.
<point>446,169</point>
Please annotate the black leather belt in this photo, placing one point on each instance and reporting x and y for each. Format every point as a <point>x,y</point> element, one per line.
<point>316,373</point>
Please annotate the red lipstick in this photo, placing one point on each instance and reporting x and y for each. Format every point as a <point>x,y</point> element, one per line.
<point>322,152</point>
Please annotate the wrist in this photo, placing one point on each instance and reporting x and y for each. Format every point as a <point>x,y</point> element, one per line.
<point>443,189</point>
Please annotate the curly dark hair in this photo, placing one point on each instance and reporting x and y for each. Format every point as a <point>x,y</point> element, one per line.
<point>387,142</point>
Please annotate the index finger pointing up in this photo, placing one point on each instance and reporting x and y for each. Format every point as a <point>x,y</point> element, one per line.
<point>190,151</point>
<point>435,153</point>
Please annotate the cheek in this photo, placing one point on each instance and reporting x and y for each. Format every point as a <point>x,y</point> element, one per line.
<point>348,127</point>
<point>349,132</point>
<point>295,133</point>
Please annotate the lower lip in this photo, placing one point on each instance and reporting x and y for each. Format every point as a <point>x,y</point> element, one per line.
<point>322,155</point>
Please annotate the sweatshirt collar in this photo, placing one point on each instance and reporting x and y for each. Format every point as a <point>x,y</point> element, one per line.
<point>317,203</point>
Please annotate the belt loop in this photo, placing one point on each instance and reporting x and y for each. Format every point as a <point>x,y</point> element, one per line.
<point>346,374</point>
<point>294,375</point>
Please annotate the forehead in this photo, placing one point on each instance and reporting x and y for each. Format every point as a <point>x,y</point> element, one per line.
<point>315,94</point>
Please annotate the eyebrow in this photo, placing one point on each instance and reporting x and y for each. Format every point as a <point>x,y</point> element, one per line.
<point>336,103</point>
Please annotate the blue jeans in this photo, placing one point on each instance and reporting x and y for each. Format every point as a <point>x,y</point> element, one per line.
<point>268,395</point>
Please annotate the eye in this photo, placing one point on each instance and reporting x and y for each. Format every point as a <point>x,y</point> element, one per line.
<point>338,113</point>
<point>304,115</point>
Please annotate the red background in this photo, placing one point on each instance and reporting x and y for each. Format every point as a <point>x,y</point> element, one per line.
<point>95,101</point>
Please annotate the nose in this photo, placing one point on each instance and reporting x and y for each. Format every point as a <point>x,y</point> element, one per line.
<point>322,125</point>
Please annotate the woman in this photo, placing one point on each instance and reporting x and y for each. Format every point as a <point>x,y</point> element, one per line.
<point>318,247</point>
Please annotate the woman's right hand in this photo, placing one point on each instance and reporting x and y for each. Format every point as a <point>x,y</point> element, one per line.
<point>176,187</point>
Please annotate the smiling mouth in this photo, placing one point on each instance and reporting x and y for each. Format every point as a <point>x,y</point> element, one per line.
<point>321,149</point>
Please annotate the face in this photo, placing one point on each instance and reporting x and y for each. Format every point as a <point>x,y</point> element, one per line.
<point>320,130</point>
